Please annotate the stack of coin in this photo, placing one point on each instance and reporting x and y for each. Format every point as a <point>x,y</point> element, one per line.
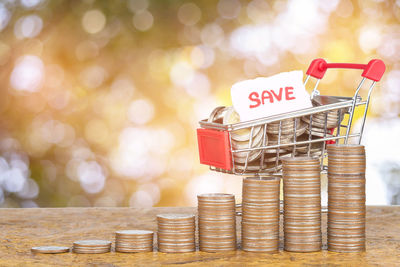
<point>285,136</point>
<point>273,161</point>
<point>315,147</point>
<point>255,166</point>
<point>346,198</point>
<point>176,233</point>
<point>217,222</point>
<point>316,122</point>
<point>260,214</point>
<point>241,138</point>
<point>287,130</point>
<point>241,157</point>
<point>302,204</point>
<point>91,246</point>
<point>134,241</point>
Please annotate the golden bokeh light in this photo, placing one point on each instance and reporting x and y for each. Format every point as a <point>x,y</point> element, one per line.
<point>100,100</point>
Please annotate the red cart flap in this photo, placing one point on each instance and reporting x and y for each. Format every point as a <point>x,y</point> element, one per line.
<point>214,148</point>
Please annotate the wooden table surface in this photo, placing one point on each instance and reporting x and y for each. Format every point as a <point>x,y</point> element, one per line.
<point>21,229</point>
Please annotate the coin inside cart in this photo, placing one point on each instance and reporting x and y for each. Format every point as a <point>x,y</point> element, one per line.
<point>50,249</point>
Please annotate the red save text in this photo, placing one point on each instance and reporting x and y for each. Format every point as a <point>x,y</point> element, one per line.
<point>271,96</point>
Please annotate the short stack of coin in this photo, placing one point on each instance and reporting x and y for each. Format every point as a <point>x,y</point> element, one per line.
<point>346,198</point>
<point>260,214</point>
<point>315,148</point>
<point>286,133</point>
<point>302,204</point>
<point>284,136</point>
<point>271,164</point>
<point>319,124</point>
<point>134,241</point>
<point>241,138</point>
<point>217,222</point>
<point>176,233</point>
<point>91,246</point>
<point>287,128</point>
<point>318,119</point>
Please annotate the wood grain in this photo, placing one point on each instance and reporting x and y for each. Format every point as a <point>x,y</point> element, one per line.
<point>22,229</point>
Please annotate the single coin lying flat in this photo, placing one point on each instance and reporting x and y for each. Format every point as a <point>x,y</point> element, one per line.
<point>50,249</point>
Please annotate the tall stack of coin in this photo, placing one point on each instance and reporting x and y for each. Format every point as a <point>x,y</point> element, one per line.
<point>134,241</point>
<point>302,204</point>
<point>91,246</point>
<point>260,214</point>
<point>217,222</point>
<point>346,198</point>
<point>176,233</point>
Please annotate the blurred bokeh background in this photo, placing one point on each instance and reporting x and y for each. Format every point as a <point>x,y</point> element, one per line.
<point>99,100</point>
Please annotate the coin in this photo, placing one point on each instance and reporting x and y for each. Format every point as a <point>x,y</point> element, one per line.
<point>319,132</point>
<point>329,118</point>
<point>50,249</point>
<point>92,243</point>
<point>255,166</point>
<point>232,117</point>
<point>319,124</point>
<point>303,148</point>
<point>91,246</point>
<point>302,204</point>
<point>260,214</point>
<point>129,241</point>
<point>300,136</point>
<point>91,251</point>
<point>133,233</point>
<point>256,141</point>
<point>286,135</point>
<point>216,114</point>
<point>284,123</point>
<point>242,157</point>
<point>272,157</point>
<point>287,129</point>
<point>274,140</point>
<point>217,222</point>
<point>251,137</point>
<point>346,198</point>
<point>176,233</point>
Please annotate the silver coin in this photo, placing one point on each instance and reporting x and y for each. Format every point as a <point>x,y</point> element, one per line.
<point>241,157</point>
<point>78,251</point>
<point>231,117</point>
<point>50,249</point>
<point>92,243</point>
<point>214,116</point>
<point>134,232</point>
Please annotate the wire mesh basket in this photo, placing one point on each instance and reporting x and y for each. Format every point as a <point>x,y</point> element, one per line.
<point>256,147</point>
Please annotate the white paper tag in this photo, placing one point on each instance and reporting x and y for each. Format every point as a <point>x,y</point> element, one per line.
<point>263,97</point>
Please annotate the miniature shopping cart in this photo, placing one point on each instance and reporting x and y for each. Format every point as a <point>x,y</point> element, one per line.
<point>302,132</point>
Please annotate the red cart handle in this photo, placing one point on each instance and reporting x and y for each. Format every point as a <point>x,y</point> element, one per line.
<point>373,70</point>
